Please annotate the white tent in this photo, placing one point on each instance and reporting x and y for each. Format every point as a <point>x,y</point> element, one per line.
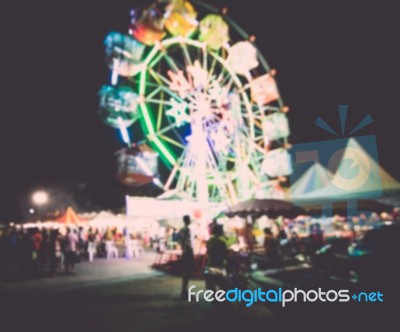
<point>150,207</point>
<point>104,219</point>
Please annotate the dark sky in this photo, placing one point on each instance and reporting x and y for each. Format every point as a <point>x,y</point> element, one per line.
<point>326,54</point>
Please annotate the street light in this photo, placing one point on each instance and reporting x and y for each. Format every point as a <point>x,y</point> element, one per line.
<point>40,197</point>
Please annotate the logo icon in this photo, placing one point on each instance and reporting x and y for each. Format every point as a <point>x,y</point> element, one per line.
<point>341,169</point>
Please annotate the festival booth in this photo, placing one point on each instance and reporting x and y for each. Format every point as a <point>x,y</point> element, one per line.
<point>169,209</point>
<point>164,213</point>
<point>124,224</point>
<point>69,219</point>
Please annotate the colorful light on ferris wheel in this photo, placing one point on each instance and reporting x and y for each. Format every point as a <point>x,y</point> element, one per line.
<point>137,165</point>
<point>242,57</point>
<point>118,106</point>
<point>214,31</point>
<point>148,28</point>
<point>180,18</point>
<point>277,163</point>
<point>275,126</point>
<point>123,54</point>
<point>264,89</point>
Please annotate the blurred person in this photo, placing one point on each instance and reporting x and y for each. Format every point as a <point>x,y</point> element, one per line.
<point>92,244</point>
<point>271,246</point>
<point>99,242</point>
<point>293,243</point>
<point>108,235</point>
<point>175,235</point>
<point>27,253</point>
<point>211,226</point>
<point>187,260</point>
<point>282,235</point>
<point>146,239</point>
<point>37,239</point>
<point>217,259</point>
<point>44,250</point>
<point>55,251</point>
<point>172,238</point>
<point>91,236</point>
<point>81,239</point>
<point>283,242</point>
<point>161,246</point>
<point>114,233</point>
<point>125,234</point>
<point>316,237</point>
<point>70,250</point>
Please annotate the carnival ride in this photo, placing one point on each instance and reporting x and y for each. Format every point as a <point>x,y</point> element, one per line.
<point>206,100</point>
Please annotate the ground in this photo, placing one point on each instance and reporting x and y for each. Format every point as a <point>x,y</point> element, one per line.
<point>118,295</point>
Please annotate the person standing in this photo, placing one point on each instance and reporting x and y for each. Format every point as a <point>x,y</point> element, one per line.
<point>271,246</point>
<point>55,251</point>
<point>316,238</point>
<point>37,240</point>
<point>43,253</point>
<point>92,245</point>
<point>217,260</point>
<point>70,251</point>
<point>186,243</point>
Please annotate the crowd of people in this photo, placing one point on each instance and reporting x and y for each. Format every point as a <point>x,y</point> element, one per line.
<point>35,252</point>
<point>48,251</point>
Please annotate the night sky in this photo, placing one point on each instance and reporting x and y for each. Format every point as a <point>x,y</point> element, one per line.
<point>326,54</point>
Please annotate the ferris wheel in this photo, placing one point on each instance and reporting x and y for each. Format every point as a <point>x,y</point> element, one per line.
<point>206,100</point>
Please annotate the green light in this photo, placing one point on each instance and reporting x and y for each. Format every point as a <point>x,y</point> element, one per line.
<point>148,123</point>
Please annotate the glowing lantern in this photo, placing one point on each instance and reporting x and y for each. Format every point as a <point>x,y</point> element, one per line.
<point>214,31</point>
<point>118,106</point>
<point>277,163</point>
<point>275,126</point>
<point>242,57</point>
<point>181,18</point>
<point>137,165</point>
<point>149,28</point>
<point>123,53</point>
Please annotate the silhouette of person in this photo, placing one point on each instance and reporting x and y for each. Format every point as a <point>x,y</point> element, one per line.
<point>271,246</point>
<point>185,241</point>
<point>217,258</point>
<point>316,237</point>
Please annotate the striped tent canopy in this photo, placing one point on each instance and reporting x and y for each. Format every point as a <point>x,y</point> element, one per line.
<point>70,217</point>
